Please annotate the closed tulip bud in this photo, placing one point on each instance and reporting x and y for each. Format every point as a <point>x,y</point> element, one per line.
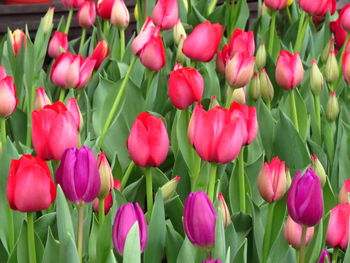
<point>127,215</point>
<point>255,87</point>
<point>73,3</point>
<point>104,8</point>
<point>266,87</point>
<point>332,71</point>
<point>346,67</point>
<point>120,15</point>
<point>18,39</point>
<point>100,53</point>
<point>213,102</point>
<point>179,32</point>
<point>221,59</point>
<point>288,177</point>
<point>305,200</point>
<point>275,4</point>
<point>199,220</point>
<point>169,188</point>
<point>78,175</point>
<point>318,168</point>
<point>148,142</point>
<point>87,14</point>
<point>180,56</point>
<point>108,201</point>
<point>272,180</point>
<point>344,192</point>
<point>293,232</point>
<point>136,12</point>
<point>41,99</point>
<point>332,108</point>
<point>58,42</point>
<point>54,129</point>
<point>289,70</point>
<point>165,14</point>
<point>238,95</point>
<point>225,213</point>
<point>318,9</point>
<point>261,56</point>
<point>338,226</point>
<point>344,18</point>
<point>324,257</point>
<point>239,70</point>
<point>185,86</point>
<point>8,100</point>
<point>30,187</point>
<point>242,41</point>
<point>47,19</point>
<point>205,49</point>
<point>105,174</point>
<point>73,108</point>
<point>316,79</point>
<point>327,49</point>
<point>211,261</point>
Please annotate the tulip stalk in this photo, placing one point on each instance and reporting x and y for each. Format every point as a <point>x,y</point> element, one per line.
<point>268,231</point>
<point>69,20</point>
<point>318,114</point>
<point>303,245</point>
<point>212,180</point>
<point>80,230</point>
<point>30,237</point>
<point>101,210</point>
<point>293,110</point>
<point>272,30</point>
<point>335,255</point>
<point>149,192</point>
<point>241,180</point>
<point>3,131</point>
<point>122,43</point>
<point>82,39</point>
<point>116,103</point>
<point>126,175</point>
<point>62,94</point>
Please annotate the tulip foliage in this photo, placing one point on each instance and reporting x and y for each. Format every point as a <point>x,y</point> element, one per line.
<point>189,131</point>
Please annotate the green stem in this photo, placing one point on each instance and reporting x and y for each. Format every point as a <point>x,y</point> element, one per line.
<point>29,117</point>
<point>299,42</point>
<point>303,245</point>
<point>342,51</point>
<point>30,237</point>
<point>69,21</point>
<point>212,180</point>
<point>335,255</point>
<point>229,97</point>
<point>300,27</point>
<point>122,43</point>
<point>149,192</point>
<point>116,103</point>
<point>268,105</point>
<point>105,28</point>
<point>11,240</point>
<point>82,39</point>
<point>62,94</point>
<point>268,232</point>
<point>318,114</point>
<point>101,210</point>
<point>241,180</point>
<point>293,110</point>
<point>126,175</point>
<point>272,30</point>
<point>3,131</point>
<point>80,230</point>
<point>289,15</point>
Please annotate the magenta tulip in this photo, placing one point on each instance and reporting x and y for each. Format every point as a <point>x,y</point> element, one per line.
<point>324,257</point>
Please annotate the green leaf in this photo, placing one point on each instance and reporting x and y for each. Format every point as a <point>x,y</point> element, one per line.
<point>68,251</point>
<point>52,248</point>
<point>104,239</point>
<point>64,220</point>
<point>173,244</point>
<point>42,225</point>
<point>220,244</point>
<point>187,252</point>
<point>132,251</point>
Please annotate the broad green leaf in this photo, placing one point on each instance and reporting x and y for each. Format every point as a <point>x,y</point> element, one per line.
<point>64,219</point>
<point>52,248</point>
<point>132,251</point>
<point>173,244</point>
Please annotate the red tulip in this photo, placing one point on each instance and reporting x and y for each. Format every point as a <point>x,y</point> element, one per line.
<point>222,57</point>
<point>148,142</point>
<point>276,4</point>
<point>185,86</point>
<point>120,15</point>
<point>319,7</point>
<point>346,67</point>
<point>72,3</point>
<point>289,70</point>
<point>165,14</point>
<point>203,42</point>
<point>29,186</point>
<point>344,192</point>
<point>87,14</point>
<point>8,100</point>
<point>18,39</point>
<point>338,226</point>
<point>339,33</point>
<point>108,201</point>
<point>239,70</point>
<point>344,18</point>
<point>100,53</point>
<point>54,129</point>
<point>41,99</point>
<point>58,42</point>
<point>104,8</point>
<point>293,232</point>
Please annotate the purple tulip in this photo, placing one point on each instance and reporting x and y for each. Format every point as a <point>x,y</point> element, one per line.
<point>324,257</point>
<point>125,218</point>
<point>78,175</point>
<point>200,219</point>
<point>305,201</point>
<point>211,261</point>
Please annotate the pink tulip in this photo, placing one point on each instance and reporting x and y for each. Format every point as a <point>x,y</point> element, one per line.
<point>87,14</point>
<point>2,72</point>
<point>8,100</point>
<point>289,70</point>
<point>100,53</point>
<point>344,18</point>
<point>242,41</point>
<point>338,226</point>
<point>58,42</point>
<point>221,59</point>
<point>293,232</point>
<point>73,108</point>
<point>165,14</point>
<point>346,67</point>
<point>147,31</point>
<point>344,192</point>
<point>239,70</point>
<point>318,7</point>
<point>72,3</point>
<point>104,8</point>
<point>276,4</point>
<point>120,15</point>
<point>203,42</point>
<point>18,39</point>
<point>41,99</point>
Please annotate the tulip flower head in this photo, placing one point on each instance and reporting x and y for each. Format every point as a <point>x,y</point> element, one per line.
<point>8,100</point>
<point>266,88</point>
<point>316,165</point>
<point>2,72</point>
<point>169,188</point>
<point>339,33</point>
<point>108,201</point>
<point>73,3</point>
<point>239,69</point>
<point>261,56</point>
<point>18,39</point>
<point>276,4</point>
<point>344,192</point>
<point>58,42</point>
<point>332,108</point>
<point>255,87</point>
<point>106,175</point>
<point>100,53</point>
<point>120,15</point>
<point>30,187</point>
<point>225,212</point>
<point>73,108</point>
<point>318,8</point>
<point>41,99</point>
<point>104,8</point>
<point>346,67</point>
<point>211,261</point>
<point>324,257</point>
<point>344,18</point>
<point>87,14</point>
<point>316,79</point>
<point>179,31</point>
<point>293,233</point>
<point>338,226</point>
<point>165,14</point>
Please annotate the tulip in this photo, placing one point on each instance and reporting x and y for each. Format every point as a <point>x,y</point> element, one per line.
<point>87,14</point>
<point>324,257</point>
<point>318,8</point>
<point>78,175</point>
<point>242,41</point>
<point>211,261</point>
<point>272,180</point>
<point>148,142</point>
<point>2,72</point>
<point>185,86</point>
<point>332,70</point>
<point>8,100</point>
<point>58,43</point>
<point>289,70</point>
<point>275,4</point>
<point>339,33</point>
<point>73,108</point>
<point>105,175</point>
<point>344,18</point>
<point>239,70</point>
<point>169,188</point>
<point>318,168</point>
<point>165,14</point>
<point>199,220</point>
<point>180,56</point>
<point>120,15</point>
<point>338,226</point>
<point>18,39</point>
<point>261,56</point>
<point>47,19</point>
<point>179,32</point>
<point>41,99</point>
<point>316,79</point>
<point>332,108</point>
<point>100,53</point>
<point>238,95</point>
<point>104,8</point>
<point>73,3</point>
<point>29,186</point>
<point>293,232</point>
<point>266,87</point>
<point>127,215</point>
<point>108,201</point>
<point>226,217</point>
<point>255,87</point>
<point>54,129</point>
<point>346,67</point>
<point>343,196</point>
<point>221,59</point>
<point>147,31</point>
<point>203,42</point>
<point>305,201</point>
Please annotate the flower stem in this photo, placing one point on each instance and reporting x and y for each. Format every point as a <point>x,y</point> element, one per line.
<point>267,236</point>
<point>116,103</point>
<point>293,110</point>
<point>335,255</point>
<point>303,245</point>
<point>300,27</point>
<point>342,51</point>
<point>30,237</point>
<point>69,20</point>
<point>241,180</point>
<point>101,210</point>
<point>318,114</point>
<point>11,240</point>
<point>212,180</point>
<point>149,192</point>
<point>80,230</point>
<point>127,175</point>
<point>122,43</point>
<point>82,39</point>
<point>3,131</point>
<point>62,94</point>
<point>272,30</point>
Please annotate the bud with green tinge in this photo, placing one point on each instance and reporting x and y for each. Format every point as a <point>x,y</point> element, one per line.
<point>327,49</point>
<point>266,87</point>
<point>180,56</point>
<point>213,102</point>
<point>254,89</point>
<point>288,178</point>
<point>332,70</point>
<point>316,78</point>
<point>332,108</point>
<point>261,56</point>
<point>105,174</point>
<point>238,96</point>
<point>179,32</point>
<point>47,19</point>
<point>226,217</point>
<point>169,189</point>
<point>318,168</point>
